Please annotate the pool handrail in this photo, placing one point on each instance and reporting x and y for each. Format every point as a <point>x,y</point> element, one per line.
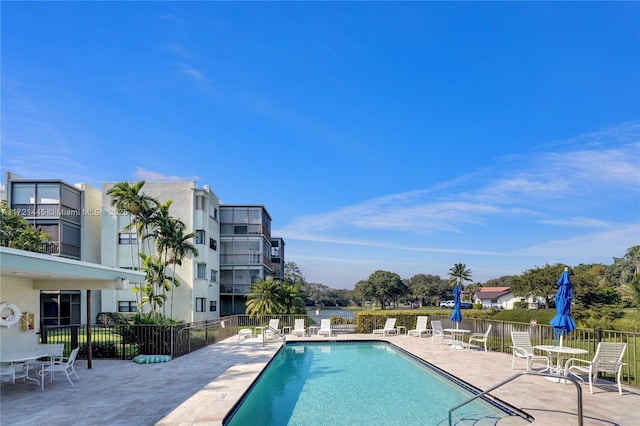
<point>274,331</point>
<point>523,373</point>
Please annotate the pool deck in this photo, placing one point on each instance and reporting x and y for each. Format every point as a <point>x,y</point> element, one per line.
<point>200,388</point>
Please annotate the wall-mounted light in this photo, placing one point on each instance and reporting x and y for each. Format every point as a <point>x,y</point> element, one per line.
<point>121,283</point>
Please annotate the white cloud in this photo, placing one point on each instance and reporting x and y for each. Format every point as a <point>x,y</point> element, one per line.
<point>153,176</point>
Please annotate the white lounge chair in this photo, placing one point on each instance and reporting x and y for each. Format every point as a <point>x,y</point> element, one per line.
<point>67,367</point>
<point>608,359</point>
<point>325,327</point>
<point>522,348</point>
<point>438,332</point>
<point>421,327</point>
<point>480,338</point>
<point>389,327</point>
<point>272,329</point>
<point>299,328</point>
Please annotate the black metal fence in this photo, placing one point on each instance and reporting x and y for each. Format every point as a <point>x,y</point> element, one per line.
<point>127,341</point>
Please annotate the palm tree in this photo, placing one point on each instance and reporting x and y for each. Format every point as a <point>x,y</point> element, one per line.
<point>459,274</point>
<point>264,298</point>
<point>290,298</point>
<point>123,196</point>
<point>180,248</point>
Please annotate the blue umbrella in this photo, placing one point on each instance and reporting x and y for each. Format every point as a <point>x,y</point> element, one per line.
<point>563,323</point>
<point>456,315</point>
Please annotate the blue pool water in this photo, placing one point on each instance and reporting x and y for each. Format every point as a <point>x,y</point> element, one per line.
<point>355,383</point>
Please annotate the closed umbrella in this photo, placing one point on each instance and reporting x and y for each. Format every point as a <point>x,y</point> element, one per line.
<point>456,315</point>
<point>563,323</point>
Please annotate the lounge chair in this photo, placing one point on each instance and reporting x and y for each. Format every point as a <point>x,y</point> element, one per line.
<point>389,327</point>
<point>480,338</point>
<point>299,328</point>
<point>272,329</point>
<point>421,327</point>
<point>522,348</point>
<point>325,327</point>
<point>438,332</point>
<point>608,359</point>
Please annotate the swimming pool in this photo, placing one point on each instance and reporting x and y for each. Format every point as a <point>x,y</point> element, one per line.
<point>356,383</point>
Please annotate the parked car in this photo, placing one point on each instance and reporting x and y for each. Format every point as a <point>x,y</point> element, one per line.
<point>446,304</point>
<point>466,305</point>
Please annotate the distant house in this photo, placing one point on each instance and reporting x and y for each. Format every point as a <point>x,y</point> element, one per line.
<point>502,298</point>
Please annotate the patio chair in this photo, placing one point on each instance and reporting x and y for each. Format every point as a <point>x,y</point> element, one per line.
<point>437,331</point>
<point>299,328</point>
<point>55,352</point>
<point>389,327</point>
<point>522,348</point>
<point>67,367</point>
<point>480,338</point>
<point>421,327</point>
<point>608,359</point>
<point>273,325</point>
<point>325,327</point>
<point>6,370</point>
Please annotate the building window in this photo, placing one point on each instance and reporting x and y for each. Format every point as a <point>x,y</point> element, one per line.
<point>199,202</point>
<point>213,212</point>
<point>200,302</point>
<point>213,244</point>
<point>213,306</point>
<point>201,271</point>
<point>240,229</point>
<point>214,276</point>
<point>127,306</point>
<point>127,238</point>
<point>199,236</point>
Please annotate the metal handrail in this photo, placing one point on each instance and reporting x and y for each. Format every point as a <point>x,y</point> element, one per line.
<point>522,373</point>
<point>275,331</point>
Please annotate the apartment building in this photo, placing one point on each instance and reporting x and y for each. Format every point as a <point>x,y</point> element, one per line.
<point>70,215</point>
<point>234,247</point>
<point>197,296</point>
<point>245,253</point>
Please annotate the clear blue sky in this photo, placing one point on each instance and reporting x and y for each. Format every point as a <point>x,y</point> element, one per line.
<point>405,137</point>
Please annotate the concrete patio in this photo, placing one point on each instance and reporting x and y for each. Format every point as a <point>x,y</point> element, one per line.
<point>201,388</point>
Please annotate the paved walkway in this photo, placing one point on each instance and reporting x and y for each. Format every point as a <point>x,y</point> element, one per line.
<point>201,388</point>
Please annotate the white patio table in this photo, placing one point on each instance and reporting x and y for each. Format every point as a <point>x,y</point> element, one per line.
<point>25,357</point>
<point>458,337</point>
<point>559,352</point>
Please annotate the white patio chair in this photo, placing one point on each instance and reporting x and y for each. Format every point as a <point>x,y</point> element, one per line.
<point>421,327</point>
<point>438,332</point>
<point>67,367</point>
<point>522,348</point>
<point>6,370</point>
<point>389,327</point>
<point>608,359</point>
<point>55,352</point>
<point>299,328</point>
<point>480,338</point>
<point>325,327</point>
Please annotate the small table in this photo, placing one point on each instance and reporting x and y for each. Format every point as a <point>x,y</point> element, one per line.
<point>313,329</point>
<point>24,357</point>
<point>457,335</point>
<point>286,329</point>
<point>559,352</point>
<point>400,329</point>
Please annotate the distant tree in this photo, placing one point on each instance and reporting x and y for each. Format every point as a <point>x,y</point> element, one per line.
<point>504,281</point>
<point>538,282</point>
<point>293,274</point>
<point>17,233</point>
<point>385,287</point>
<point>458,274</point>
<point>427,289</point>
